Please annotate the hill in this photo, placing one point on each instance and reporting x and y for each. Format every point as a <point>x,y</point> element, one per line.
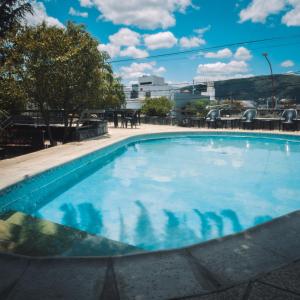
<point>253,88</point>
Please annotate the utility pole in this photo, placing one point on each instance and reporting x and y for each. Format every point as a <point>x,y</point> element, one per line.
<point>272,77</point>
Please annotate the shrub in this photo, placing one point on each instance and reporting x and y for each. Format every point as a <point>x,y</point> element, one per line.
<point>157,106</point>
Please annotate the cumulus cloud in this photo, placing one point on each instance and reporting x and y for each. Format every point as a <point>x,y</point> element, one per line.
<point>287,64</point>
<point>123,43</point>
<point>192,42</point>
<point>74,12</point>
<point>136,70</point>
<point>110,49</point>
<point>292,18</point>
<point>40,15</point>
<point>224,53</point>
<point>160,40</point>
<point>259,10</point>
<point>242,53</point>
<point>146,14</point>
<point>134,52</point>
<point>125,37</point>
<point>221,71</point>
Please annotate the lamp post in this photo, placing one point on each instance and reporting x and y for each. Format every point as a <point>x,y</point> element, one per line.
<point>272,77</point>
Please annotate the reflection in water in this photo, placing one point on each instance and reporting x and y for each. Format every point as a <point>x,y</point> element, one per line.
<point>205,227</point>
<point>123,235</point>
<point>144,233</point>
<point>218,221</point>
<point>262,219</point>
<point>177,234</point>
<point>232,216</point>
<point>90,218</point>
<point>172,235</point>
<point>70,215</point>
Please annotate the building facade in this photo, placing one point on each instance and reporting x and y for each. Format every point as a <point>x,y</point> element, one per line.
<point>155,87</point>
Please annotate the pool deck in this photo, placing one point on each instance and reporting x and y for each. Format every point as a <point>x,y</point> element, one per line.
<point>260,263</point>
<point>19,168</point>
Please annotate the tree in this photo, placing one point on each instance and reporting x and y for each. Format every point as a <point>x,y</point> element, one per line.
<point>157,106</point>
<point>198,107</point>
<point>11,14</point>
<point>61,68</point>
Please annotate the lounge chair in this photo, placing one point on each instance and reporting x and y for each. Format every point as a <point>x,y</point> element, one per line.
<point>248,118</point>
<point>213,117</point>
<point>288,118</point>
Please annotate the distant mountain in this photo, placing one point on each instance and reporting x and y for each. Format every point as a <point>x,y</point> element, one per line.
<point>253,88</point>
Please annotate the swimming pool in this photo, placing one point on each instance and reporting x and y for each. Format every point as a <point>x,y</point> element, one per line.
<point>169,190</point>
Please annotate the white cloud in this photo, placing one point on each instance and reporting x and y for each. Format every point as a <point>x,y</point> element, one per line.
<point>136,70</point>
<point>224,53</point>
<point>86,3</point>
<point>242,53</point>
<point>287,64</point>
<point>191,42</point>
<point>40,15</point>
<point>112,50</point>
<point>76,13</point>
<point>134,52</point>
<point>222,71</point>
<point>146,14</point>
<point>201,31</point>
<point>259,10</point>
<point>125,37</point>
<point>160,40</point>
<point>292,18</point>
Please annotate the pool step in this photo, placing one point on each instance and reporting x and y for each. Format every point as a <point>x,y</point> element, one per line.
<point>24,234</point>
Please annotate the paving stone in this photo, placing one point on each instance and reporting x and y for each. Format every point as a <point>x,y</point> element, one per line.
<point>235,259</point>
<point>281,236</point>
<point>66,279</point>
<point>264,292</point>
<point>11,269</point>
<point>286,278</point>
<point>156,276</point>
<point>234,293</point>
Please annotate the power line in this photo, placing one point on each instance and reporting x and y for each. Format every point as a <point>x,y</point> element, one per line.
<point>206,49</point>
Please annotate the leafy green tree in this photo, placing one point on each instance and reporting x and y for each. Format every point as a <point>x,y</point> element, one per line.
<point>61,68</point>
<point>11,14</point>
<point>157,106</point>
<point>198,107</point>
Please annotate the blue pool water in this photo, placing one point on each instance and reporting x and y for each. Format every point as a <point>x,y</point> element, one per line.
<point>170,192</point>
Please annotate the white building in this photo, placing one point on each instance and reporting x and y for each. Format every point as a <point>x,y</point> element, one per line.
<point>155,87</point>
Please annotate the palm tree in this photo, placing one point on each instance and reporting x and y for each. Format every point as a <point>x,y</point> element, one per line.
<point>11,14</point>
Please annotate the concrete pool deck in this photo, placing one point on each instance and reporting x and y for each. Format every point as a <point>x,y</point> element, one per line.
<point>19,168</point>
<point>260,263</point>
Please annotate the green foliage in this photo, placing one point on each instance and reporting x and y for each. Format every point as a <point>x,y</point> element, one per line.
<point>11,14</point>
<point>157,106</point>
<point>59,69</point>
<point>197,107</point>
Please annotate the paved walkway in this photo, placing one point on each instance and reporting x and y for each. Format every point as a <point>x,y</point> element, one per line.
<point>16,169</point>
<point>260,263</point>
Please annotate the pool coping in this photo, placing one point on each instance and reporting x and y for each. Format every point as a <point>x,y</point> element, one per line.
<point>238,262</point>
<point>15,170</point>
<point>235,263</point>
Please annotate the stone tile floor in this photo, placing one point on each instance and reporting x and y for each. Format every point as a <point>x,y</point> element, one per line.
<point>242,266</point>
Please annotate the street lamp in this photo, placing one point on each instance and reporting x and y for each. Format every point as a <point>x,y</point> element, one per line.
<point>272,77</point>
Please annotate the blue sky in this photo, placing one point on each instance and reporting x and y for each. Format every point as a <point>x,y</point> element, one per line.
<point>141,28</point>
